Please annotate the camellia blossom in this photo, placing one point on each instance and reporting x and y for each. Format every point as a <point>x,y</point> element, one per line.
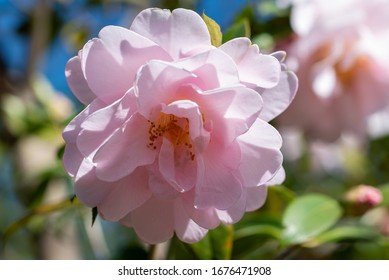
<point>175,135</point>
<point>340,55</point>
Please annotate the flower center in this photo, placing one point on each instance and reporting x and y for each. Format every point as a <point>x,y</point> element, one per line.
<point>173,128</point>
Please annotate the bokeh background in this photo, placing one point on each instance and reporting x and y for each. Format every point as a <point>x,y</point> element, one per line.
<point>336,192</point>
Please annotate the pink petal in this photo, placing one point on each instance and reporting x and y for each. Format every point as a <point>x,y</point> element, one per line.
<point>130,49</point>
<point>181,32</point>
<point>186,229</point>
<point>206,218</point>
<point>161,188</point>
<point>256,198</point>
<point>278,178</point>
<point>278,98</point>
<point>77,82</point>
<point>111,63</point>
<point>235,212</point>
<point>177,167</point>
<point>126,195</point>
<point>157,83</point>
<point>72,130</point>
<point>153,222</point>
<point>255,69</point>
<point>232,111</point>
<point>217,185</point>
<point>88,188</point>
<point>261,156</point>
<point>101,124</point>
<point>72,157</point>
<point>125,150</point>
<point>214,68</point>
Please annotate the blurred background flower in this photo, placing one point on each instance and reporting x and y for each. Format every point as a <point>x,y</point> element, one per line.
<point>339,52</point>
<point>339,57</point>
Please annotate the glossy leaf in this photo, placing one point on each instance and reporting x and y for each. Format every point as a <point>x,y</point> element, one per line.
<point>214,30</point>
<point>309,216</point>
<point>342,233</point>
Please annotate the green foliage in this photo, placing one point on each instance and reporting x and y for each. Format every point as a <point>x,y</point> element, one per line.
<point>238,29</point>
<point>308,216</point>
<point>214,30</point>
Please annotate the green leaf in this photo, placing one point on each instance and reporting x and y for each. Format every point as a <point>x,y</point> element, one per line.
<point>222,241</point>
<point>309,216</point>
<point>203,249</point>
<point>385,194</point>
<point>214,30</point>
<point>260,229</point>
<point>342,233</point>
<point>238,29</point>
<point>278,198</point>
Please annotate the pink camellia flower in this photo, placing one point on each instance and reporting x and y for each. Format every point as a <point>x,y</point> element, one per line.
<point>340,55</point>
<point>174,138</point>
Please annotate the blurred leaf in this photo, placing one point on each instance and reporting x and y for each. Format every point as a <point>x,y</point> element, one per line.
<point>265,42</point>
<point>342,233</point>
<point>385,194</point>
<point>203,248</point>
<point>222,241</point>
<point>238,29</point>
<point>217,244</point>
<point>179,250</point>
<point>278,198</point>
<point>260,229</point>
<point>38,211</point>
<point>214,30</point>
<point>308,216</point>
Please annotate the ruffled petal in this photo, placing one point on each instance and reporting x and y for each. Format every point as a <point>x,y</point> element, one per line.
<point>217,186</point>
<point>111,62</point>
<point>231,110</point>
<point>161,188</point>
<point>278,98</point>
<point>72,157</point>
<point>214,68</point>
<point>206,218</point>
<point>88,188</point>
<point>77,81</point>
<point>157,83</point>
<point>256,198</point>
<point>98,127</point>
<point>186,229</point>
<point>153,222</point>
<point>126,195</point>
<point>181,32</point>
<point>235,212</point>
<point>261,156</point>
<point>177,166</point>
<point>125,150</point>
<point>255,69</point>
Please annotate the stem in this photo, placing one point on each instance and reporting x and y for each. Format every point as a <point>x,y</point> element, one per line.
<point>42,210</point>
